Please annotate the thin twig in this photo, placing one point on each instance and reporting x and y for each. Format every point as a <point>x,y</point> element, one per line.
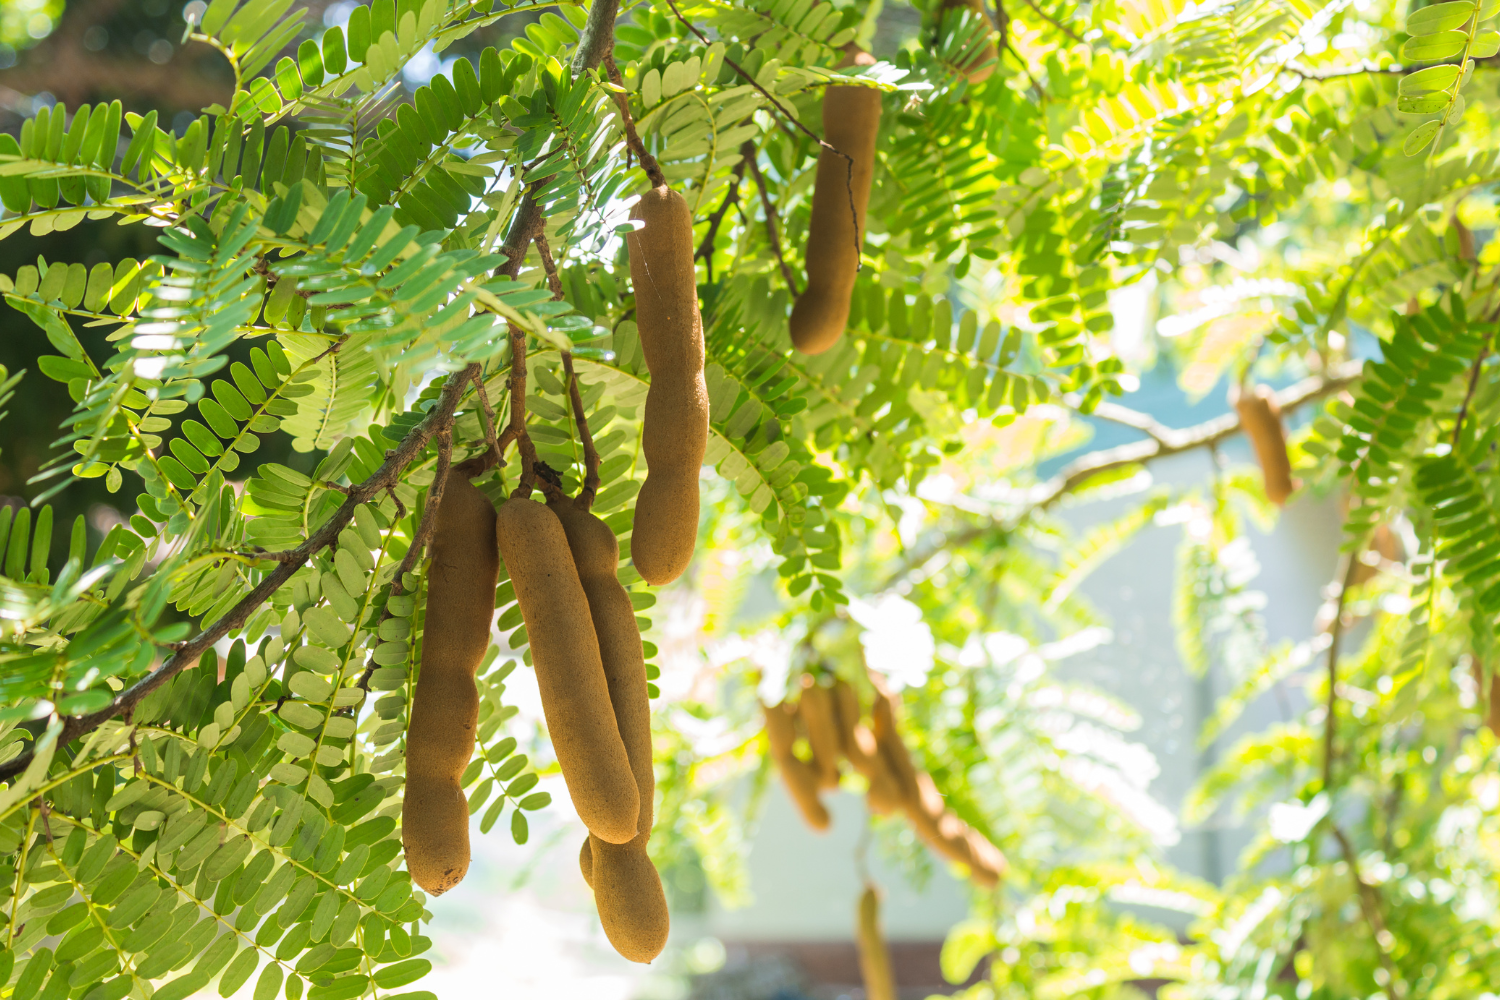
<point>1369,903</point>
<point>1336,72</point>
<point>732,196</point>
<point>549,266</point>
<point>1350,567</point>
<point>632,137</point>
<point>1054,21</point>
<point>1463,409</point>
<point>585,436</point>
<point>389,473</point>
<point>747,151</point>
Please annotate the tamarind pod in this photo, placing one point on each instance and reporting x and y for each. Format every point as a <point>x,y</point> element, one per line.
<point>627,889</point>
<point>893,752</point>
<point>674,432</point>
<point>569,671</point>
<point>596,554</point>
<point>981,65</point>
<point>1260,419</point>
<point>628,893</point>
<point>989,863</point>
<point>445,705</point>
<point>818,715</point>
<point>874,958</point>
<point>851,121</point>
<point>847,711</point>
<point>801,781</point>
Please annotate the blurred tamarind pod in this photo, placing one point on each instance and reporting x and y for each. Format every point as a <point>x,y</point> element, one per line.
<point>874,958</point>
<point>980,65</point>
<point>851,122</point>
<point>674,433</point>
<point>858,745</point>
<point>821,721</point>
<point>1489,697</point>
<point>569,671</point>
<point>1260,419</point>
<point>800,778</point>
<point>445,706</point>
<point>627,889</point>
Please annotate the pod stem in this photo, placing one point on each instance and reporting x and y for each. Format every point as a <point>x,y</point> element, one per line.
<point>748,153</point>
<point>632,137</point>
<point>585,436</point>
<point>493,455</point>
<point>439,418</point>
<point>823,143</point>
<point>517,430</point>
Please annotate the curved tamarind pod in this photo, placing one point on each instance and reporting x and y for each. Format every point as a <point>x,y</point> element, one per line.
<point>820,717</point>
<point>847,711</point>
<point>851,121</point>
<point>1260,419</point>
<point>801,780</point>
<point>569,672</point>
<point>596,554</point>
<point>445,706</point>
<point>627,889</point>
<point>981,65</point>
<point>674,433</point>
<point>874,958</point>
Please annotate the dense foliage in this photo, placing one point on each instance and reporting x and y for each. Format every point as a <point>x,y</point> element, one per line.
<point>205,709</point>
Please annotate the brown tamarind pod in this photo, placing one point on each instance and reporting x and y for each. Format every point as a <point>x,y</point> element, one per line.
<point>569,672</point>
<point>981,64</point>
<point>800,778</point>
<point>674,432</point>
<point>874,958</point>
<point>820,718</point>
<point>851,121</point>
<point>1260,419</point>
<point>627,889</point>
<point>445,706</point>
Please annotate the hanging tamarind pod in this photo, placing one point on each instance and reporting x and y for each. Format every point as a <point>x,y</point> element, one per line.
<point>818,715</point>
<point>627,889</point>
<point>800,778</point>
<point>674,432</point>
<point>923,804</point>
<point>851,122</point>
<point>1260,419</point>
<point>874,957</point>
<point>980,66</point>
<point>569,671</point>
<point>445,705</point>
<point>858,745</point>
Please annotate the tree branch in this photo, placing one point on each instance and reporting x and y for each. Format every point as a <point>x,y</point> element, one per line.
<point>1166,441</point>
<point>1054,22</point>
<point>598,38</point>
<point>1350,567</point>
<point>1337,72</point>
<point>1369,903</point>
<point>706,248</point>
<point>517,430</point>
<point>439,419</point>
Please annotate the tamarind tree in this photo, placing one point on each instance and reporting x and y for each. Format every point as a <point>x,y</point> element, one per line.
<point>204,712</point>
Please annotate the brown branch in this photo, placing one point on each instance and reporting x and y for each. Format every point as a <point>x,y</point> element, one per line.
<point>1337,72</point>
<point>186,655</point>
<point>585,436</point>
<point>494,455</point>
<point>1167,441</point>
<point>632,137</point>
<point>1054,21</point>
<point>597,40</point>
<point>524,227</point>
<point>1463,409</point>
<point>549,266</point>
<point>517,430</point>
<point>747,151</point>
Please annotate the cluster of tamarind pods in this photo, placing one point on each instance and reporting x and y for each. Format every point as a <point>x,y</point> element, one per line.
<point>585,643</point>
<point>829,716</point>
<point>562,559</point>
